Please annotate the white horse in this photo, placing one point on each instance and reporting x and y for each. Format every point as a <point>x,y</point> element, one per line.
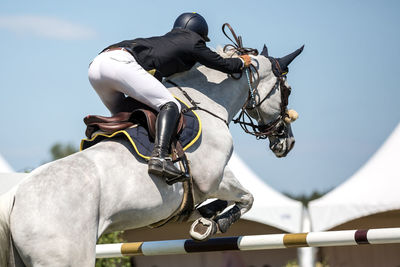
<point>55,216</point>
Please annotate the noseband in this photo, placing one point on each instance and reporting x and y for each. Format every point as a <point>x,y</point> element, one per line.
<point>274,128</point>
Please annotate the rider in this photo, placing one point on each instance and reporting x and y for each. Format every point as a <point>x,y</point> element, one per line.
<point>136,67</point>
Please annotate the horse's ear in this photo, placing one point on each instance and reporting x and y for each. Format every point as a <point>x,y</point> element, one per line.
<point>265,51</point>
<point>286,60</point>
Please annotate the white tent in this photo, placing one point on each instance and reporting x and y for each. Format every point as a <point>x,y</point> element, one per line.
<point>368,199</point>
<point>4,166</point>
<point>8,178</point>
<point>374,188</point>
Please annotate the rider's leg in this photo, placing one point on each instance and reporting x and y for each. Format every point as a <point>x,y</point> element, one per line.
<point>117,73</point>
<point>159,163</point>
<point>114,74</point>
<point>105,89</point>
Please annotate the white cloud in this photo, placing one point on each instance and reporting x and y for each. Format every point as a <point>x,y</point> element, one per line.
<point>48,27</point>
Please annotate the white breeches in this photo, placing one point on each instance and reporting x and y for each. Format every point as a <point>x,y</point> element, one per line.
<point>116,74</point>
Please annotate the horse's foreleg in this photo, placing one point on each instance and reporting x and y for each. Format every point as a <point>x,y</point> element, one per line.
<point>213,208</point>
<point>229,191</point>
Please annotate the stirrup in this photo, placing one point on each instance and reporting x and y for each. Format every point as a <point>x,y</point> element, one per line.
<point>164,168</point>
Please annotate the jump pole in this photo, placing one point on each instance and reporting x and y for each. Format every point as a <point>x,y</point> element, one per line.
<point>252,242</point>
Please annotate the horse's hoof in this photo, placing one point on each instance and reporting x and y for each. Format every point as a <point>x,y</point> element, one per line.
<point>202,229</point>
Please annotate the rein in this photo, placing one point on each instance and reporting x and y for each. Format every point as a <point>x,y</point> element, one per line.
<point>237,45</point>
<point>194,103</point>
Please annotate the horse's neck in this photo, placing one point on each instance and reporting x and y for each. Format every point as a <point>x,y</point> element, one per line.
<point>214,90</point>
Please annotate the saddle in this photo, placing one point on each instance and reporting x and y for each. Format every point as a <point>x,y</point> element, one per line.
<point>139,114</point>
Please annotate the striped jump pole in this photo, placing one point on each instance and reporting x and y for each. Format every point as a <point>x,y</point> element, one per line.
<point>252,242</point>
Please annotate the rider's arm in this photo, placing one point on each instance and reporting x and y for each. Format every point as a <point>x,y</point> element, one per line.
<point>211,59</point>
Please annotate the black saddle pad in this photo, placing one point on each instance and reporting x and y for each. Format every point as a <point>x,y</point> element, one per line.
<point>142,143</point>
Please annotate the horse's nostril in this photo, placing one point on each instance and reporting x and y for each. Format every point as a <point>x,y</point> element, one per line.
<point>277,147</point>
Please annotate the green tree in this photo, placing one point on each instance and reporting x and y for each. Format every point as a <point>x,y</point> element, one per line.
<point>60,150</point>
<point>115,237</point>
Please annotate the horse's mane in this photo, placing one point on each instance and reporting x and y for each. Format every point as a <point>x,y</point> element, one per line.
<point>226,54</point>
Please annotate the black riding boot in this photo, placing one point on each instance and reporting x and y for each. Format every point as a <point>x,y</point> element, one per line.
<point>160,164</point>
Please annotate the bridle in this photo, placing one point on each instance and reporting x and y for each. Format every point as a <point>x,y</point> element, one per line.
<point>275,127</point>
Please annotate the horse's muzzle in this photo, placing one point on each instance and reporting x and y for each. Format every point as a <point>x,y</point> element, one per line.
<point>282,148</point>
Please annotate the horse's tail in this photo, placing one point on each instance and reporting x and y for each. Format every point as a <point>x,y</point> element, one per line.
<point>6,203</point>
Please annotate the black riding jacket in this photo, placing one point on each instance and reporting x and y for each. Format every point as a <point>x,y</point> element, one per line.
<point>177,51</point>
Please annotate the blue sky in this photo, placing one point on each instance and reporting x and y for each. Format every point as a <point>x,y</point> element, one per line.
<point>345,83</point>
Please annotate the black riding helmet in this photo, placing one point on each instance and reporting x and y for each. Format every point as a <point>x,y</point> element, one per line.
<point>194,22</point>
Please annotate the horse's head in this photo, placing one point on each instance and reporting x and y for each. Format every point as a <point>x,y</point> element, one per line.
<point>267,103</point>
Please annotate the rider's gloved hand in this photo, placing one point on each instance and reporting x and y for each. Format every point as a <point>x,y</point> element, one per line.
<point>246,60</point>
